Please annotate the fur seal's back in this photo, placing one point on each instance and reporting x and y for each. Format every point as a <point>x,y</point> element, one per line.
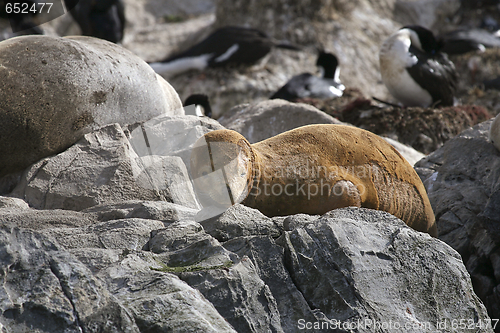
<point>317,168</point>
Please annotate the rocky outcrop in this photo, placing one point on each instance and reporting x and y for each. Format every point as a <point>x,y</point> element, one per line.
<point>107,235</point>
<point>155,268</point>
<point>103,168</point>
<point>54,90</point>
<point>351,269</point>
<point>462,181</point>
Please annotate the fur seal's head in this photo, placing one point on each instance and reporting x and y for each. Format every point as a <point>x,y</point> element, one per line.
<point>221,167</point>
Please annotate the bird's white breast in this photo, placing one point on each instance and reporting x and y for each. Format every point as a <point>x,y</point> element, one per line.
<point>394,60</point>
<point>181,65</point>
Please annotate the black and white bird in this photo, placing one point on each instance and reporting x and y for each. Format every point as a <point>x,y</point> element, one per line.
<point>415,71</point>
<point>200,103</point>
<point>466,40</point>
<point>228,45</point>
<point>103,19</point>
<point>308,85</point>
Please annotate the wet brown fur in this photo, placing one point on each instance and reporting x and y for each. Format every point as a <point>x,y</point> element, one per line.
<point>367,171</point>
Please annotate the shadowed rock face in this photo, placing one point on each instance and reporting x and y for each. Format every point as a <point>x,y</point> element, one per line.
<point>54,90</point>
<point>462,180</point>
<point>128,261</point>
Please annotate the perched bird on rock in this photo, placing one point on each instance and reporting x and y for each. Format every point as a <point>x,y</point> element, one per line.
<point>414,69</point>
<point>229,45</point>
<point>308,85</point>
<point>103,19</point>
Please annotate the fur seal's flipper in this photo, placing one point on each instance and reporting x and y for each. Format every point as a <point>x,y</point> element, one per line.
<point>311,169</point>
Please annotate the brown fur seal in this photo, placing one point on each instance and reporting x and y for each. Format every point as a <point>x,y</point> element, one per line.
<point>311,169</point>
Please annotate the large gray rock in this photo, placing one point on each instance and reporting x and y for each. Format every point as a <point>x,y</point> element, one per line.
<point>94,277</point>
<point>162,303</point>
<point>377,270</point>
<point>349,264</point>
<point>102,168</point>
<point>238,221</point>
<point>462,181</point>
<point>262,120</point>
<point>267,256</point>
<point>239,295</point>
<point>45,289</point>
<point>54,90</point>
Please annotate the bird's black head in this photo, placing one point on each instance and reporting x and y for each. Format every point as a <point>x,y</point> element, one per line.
<point>428,42</point>
<point>329,62</point>
<point>200,99</point>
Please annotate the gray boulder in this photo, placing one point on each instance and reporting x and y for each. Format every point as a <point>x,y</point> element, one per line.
<point>351,264</point>
<point>161,302</point>
<point>375,271</point>
<point>102,168</point>
<point>45,289</point>
<point>265,119</point>
<point>157,276</point>
<point>462,181</point>
<point>239,220</point>
<point>268,258</point>
<point>54,90</point>
<point>239,295</point>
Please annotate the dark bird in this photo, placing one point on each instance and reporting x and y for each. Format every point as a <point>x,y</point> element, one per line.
<point>467,40</point>
<point>415,71</point>
<point>226,46</point>
<point>103,19</point>
<point>201,105</point>
<point>308,85</point>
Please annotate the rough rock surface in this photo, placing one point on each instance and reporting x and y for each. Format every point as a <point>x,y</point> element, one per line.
<point>54,90</point>
<point>141,274</point>
<point>103,168</point>
<point>128,261</point>
<point>259,121</point>
<point>462,181</point>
